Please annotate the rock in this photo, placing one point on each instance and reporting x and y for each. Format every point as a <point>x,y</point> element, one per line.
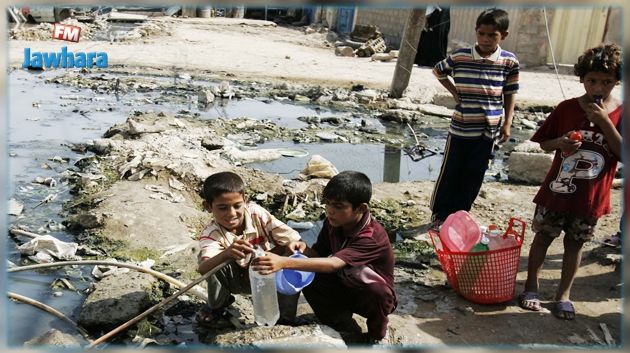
<point>205,96</point>
<point>283,337</point>
<point>381,57</point>
<point>327,136</point>
<point>437,110</point>
<point>301,99</point>
<point>344,51</point>
<point>367,95</point>
<point>56,338</point>
<point>398,115</point>
<point>15,207</point>
<point>212,143</point>
<point>444,99</point>
<point>529,167</point>
<point>147,123</point>
<point>394,54</point>
<point>529,124</point>
<point>87,221</point>
<point>528,147</point>
<point>319,167</point>
<point>251,156</point>
<point>117,299</point>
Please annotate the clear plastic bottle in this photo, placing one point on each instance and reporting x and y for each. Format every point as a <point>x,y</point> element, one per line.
<point>264,295</point>
<point>494,236</point>
<point>508,241</point>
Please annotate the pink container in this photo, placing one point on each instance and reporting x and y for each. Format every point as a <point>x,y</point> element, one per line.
<point>460,232</point>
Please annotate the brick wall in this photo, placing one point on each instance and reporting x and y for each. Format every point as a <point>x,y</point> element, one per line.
<point>391,23</point>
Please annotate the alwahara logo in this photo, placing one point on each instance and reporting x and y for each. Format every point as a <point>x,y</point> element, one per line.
<point>64,59</point>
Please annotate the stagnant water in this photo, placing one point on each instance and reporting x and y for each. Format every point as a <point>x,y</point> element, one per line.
<point>46,118</point>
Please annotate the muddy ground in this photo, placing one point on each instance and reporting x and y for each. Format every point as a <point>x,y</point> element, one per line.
<point>429,312</point>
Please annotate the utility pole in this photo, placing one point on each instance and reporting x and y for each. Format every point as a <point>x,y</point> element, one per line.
<point>407,54</point>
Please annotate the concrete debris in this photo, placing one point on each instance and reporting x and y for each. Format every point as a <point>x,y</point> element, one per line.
<point>371,47</point>
<point>364,33</point>
<point>381,57</point>
<point>529,164</point>
<point>436,110</point>
<point>161,193</point>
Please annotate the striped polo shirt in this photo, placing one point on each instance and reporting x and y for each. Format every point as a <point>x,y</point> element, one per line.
<point>480,83</point>
<point>261,228</point>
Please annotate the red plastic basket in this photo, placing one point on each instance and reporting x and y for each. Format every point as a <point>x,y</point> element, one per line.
<point>486,277</point>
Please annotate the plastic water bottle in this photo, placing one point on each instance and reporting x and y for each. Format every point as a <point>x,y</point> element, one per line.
<point>508,241</point>
<point>264,295</point>
<point>494,236</point>
<point>482,245</point>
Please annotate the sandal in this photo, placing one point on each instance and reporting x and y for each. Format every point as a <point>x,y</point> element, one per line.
<point>564,310</point>
<point>213,318</point>
<point>529,301</point>
<point>614,241</point>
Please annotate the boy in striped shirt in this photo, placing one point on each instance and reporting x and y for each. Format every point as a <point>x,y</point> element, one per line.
<point>485,82</point>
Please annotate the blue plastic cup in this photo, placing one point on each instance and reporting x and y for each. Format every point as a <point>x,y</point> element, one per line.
<point>289,282</point>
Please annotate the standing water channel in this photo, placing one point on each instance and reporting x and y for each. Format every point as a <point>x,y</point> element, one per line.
<point>48,120</point>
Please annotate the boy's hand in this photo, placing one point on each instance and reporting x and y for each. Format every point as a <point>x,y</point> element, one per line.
<point>456,97</point>
<point>297,245</point>
<point>239,249</point>
<point>268,264</point>
<point>567,145</point>
<point>504,133</point>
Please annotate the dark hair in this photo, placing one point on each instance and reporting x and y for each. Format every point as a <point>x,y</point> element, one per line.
<point>351,186</point>
<point>220,183</point>
<point>495,17</point>
<point>603,58</point>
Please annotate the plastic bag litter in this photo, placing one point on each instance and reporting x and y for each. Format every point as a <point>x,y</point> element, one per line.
<point>50,245</point>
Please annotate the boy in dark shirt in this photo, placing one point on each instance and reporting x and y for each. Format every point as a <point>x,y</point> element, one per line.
<point>353,259</point>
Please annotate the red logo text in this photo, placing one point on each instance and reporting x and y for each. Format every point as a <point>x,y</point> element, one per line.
<point>66,32</point>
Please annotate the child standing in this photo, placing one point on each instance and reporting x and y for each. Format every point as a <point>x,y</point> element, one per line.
<point>353,259</point>
<point>485,82</point>
<point>236,228</point>
<point>576,191</point>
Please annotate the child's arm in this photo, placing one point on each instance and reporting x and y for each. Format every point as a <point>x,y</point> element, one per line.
<point>599,116</point>
<point>271,263</point>
<point>509,101</point>
<point>450,86</point>
<point>281,233</point>
<point>562,143</point>
<point>237,250</point>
